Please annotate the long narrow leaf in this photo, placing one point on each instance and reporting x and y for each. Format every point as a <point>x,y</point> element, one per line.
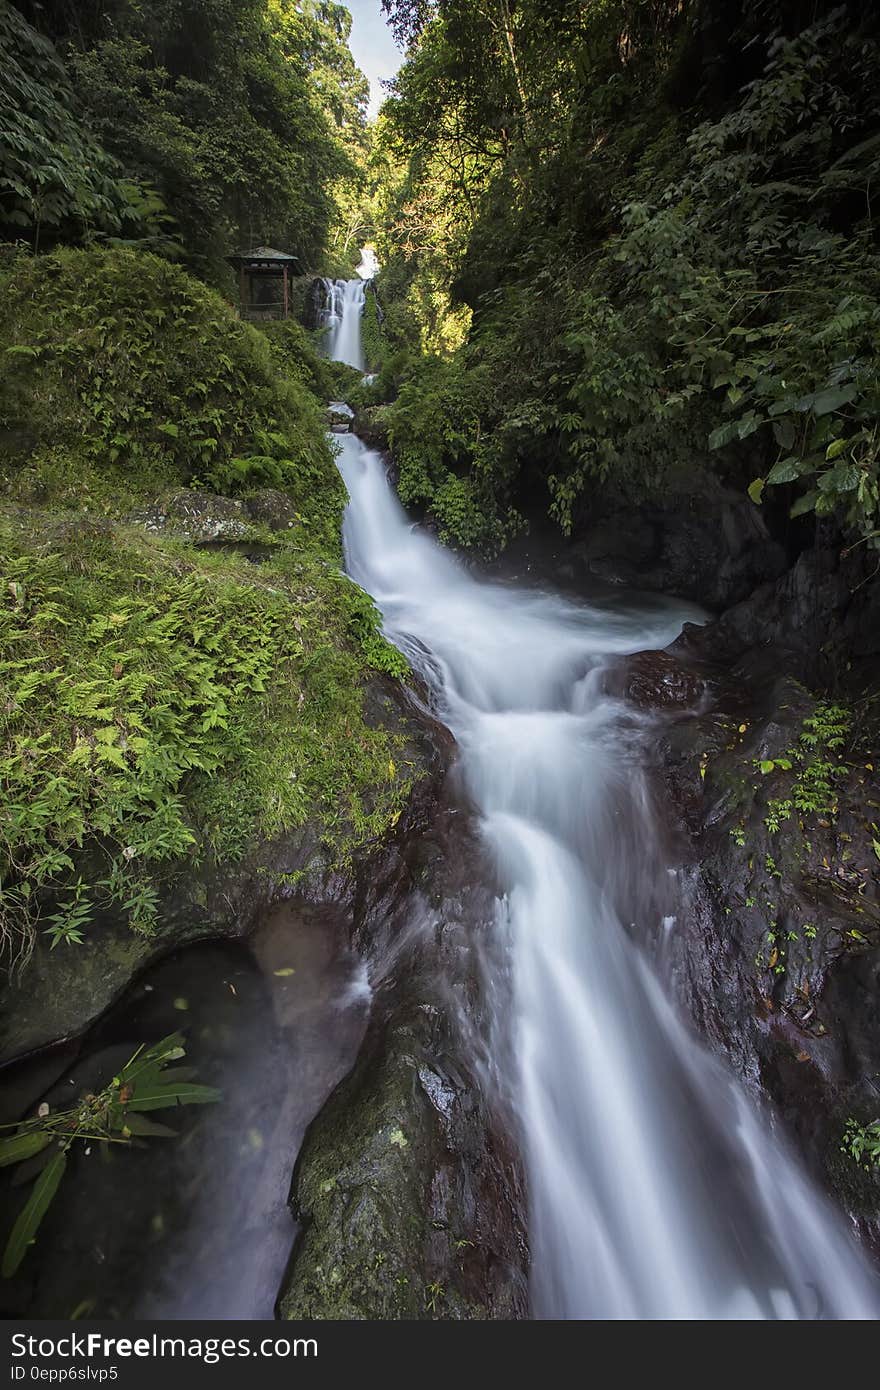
<point>181,1093</point>
<point>27,1171</point>
<point>25,1229</point>
<point>141,1126</point>
<point>152,1057</point>
<point>22,1146</point>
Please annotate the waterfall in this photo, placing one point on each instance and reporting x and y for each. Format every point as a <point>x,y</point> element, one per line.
<point>657,1189</point>
<point>344,306</point>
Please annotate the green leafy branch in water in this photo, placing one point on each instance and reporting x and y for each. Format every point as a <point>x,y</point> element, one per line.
<point>116,1115</point>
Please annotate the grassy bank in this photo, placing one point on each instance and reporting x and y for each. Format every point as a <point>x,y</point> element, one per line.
<point>165,699</point>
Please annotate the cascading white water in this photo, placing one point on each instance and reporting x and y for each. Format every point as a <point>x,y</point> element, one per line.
<point>347,305</point>
<point>344,306</point>
<point>657,1189</point>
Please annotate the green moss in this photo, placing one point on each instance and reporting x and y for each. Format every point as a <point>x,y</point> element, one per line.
<point>174,705</point>
<point>123,374</point>
<point>375,344</point>
<point>165,704</point>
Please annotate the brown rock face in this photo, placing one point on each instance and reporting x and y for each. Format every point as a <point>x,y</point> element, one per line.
<point>655,680</point>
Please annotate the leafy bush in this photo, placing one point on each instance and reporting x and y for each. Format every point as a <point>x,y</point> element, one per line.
<point>123,373</point>
<point>434,427</point>
<point>668,250</point>
<point>862,1143</point>
<point>299,355</point>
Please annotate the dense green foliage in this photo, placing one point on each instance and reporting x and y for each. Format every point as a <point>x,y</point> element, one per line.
<point>167,703</point>
<point>54,176</point>
<point>656,220</point>
<point>231,123</point>
<point>123,372</point>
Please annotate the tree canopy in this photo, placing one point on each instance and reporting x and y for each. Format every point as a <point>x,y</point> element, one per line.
<point>636,238</point>
<point>235,122</point>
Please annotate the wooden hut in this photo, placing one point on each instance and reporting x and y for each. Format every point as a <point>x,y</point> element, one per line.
<point>264,282</point>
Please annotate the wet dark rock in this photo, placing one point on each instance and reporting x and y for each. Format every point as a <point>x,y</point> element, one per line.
<point>315,302</point>
<point>409,1184</point>
<point>712,546</point>
<point>371,426</point>
<point>820,618</point>
<point>340,417</point>
<point>777,952</point>
<point>655,680</point>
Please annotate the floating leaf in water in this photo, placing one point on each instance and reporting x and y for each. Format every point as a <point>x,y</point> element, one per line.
<point>161,1096</point>
<point>146,1082</point>
<point>35,1208</point>
<point>287,970</point>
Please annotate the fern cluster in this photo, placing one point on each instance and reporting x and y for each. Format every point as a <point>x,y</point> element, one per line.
<point>160,709</point>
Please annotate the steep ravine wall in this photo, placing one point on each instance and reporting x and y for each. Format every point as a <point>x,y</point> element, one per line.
<point>776,951</point>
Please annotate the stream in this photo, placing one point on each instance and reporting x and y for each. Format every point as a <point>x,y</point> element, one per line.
<point>657,1189</point>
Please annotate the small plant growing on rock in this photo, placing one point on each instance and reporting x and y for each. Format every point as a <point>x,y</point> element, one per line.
<point>862,1143</point>
<point>816,766</point>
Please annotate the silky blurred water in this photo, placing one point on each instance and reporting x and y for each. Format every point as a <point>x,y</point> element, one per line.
<point>656,1188</point>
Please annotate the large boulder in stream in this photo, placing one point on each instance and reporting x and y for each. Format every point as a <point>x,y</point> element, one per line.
<point>409,1186</point>
<point>655,680</point>
<point>340,417</point>
<point>371,425</point>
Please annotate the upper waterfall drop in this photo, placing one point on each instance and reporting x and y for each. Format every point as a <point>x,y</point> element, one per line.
<point>344,307</point>
<point>344,343</point>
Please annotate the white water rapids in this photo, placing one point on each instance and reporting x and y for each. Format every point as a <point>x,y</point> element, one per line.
<point>656,1188</point>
